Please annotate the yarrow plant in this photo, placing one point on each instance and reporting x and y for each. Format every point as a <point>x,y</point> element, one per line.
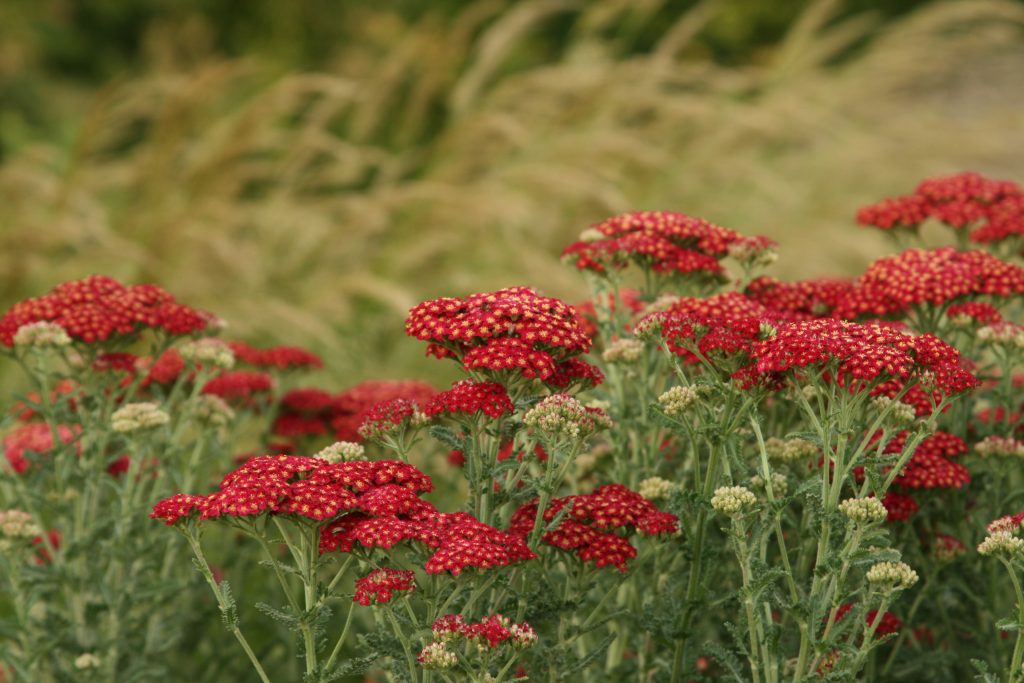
<point>702,472</point>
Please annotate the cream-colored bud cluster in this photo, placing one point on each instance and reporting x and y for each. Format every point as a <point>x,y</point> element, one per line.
<point>648,328</point>
<point>678,400</point>
<point>342,451</point>
<point>1003,447</point>
<point>1002,334</point>
<point>733,500</point>
<point>780,485</point>
<point>213,410</point>
<point>437,656</point>
<point>561,416</point>
<point>135,416</point>
<point>1002,543</point>
<point>790,450</point>
<point>87,660</point>
<point>891,575</point>
<point>592,235</point>
<point>17,524</point>
<point>864,510</point>
<point>624,351</point>
<point>210,351</point>
<point>655,488</point>
<point>899,413</point>
<point>41,335</point>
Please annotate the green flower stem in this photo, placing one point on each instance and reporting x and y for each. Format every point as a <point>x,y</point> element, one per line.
<point>551,482</point>
<point>1018,648</point>
<point>478,591</point>
<point>693,582</point>
<point>753,625</point>
<point>869,634</point>
<point>308,549</point>
<point>278,572</point>
<point>835,586</point>
<point>336,650</point>
<point>406,646</point>
<point>226,609</point>
<point>443,608</point>
<point>921,593</point>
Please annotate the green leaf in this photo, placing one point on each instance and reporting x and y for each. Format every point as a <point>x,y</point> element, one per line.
<point>1008,625</point>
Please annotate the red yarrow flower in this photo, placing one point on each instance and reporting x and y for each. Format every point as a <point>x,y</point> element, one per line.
<point>895,285</point>
<point>801,300</point>
<point>97,308</point>
<point>457,541</point>
<point>589,527</point>
<point>720,327</point>
<point>663,241</point>
<point>241,387</point>
<point>959,201</point>
<point>352,406</point>
<point>857,355</point>
<point>899,507</point>
<point>470,398</point>
<point>511,332</point>
<point>930,466</point>
<point>380,585</point>
<point>274,357</point>
<point>889,623</point>
<point>302,486</point>
<point>35,437</point>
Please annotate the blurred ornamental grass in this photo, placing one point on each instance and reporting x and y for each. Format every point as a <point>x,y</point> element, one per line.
<point>316,208</point>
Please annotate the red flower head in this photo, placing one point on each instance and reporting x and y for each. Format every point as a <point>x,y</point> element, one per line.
<point>456,540</point>
<point>35,437</point>
<point>973,313</point>
<point>241,387</point>
<point>470,398</point>
<point>589,527</point>
<point>513,331</point>
<point>799,300</point>
<point>380,585</point>
<point>275,357</point>
<point>930,466</point>
<point>900,507</point>
<point>97,308</point>
<point>295,485</point>
<point>889,623</point>
<point>724,325</point>
<point>663,241</point>
<point>489,632</point>
<point>388,417</point>
<point>894,285</point>
<point>959,201</point>
<point>858,355</point>
<point>165,369</point>
<point>351,407</point>
<point>1005,221</point>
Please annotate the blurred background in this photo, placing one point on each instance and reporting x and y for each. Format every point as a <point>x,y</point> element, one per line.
<point>310,169</point>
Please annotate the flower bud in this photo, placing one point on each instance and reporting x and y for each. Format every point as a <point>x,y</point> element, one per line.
<point>135,416</point>
<point>733,500</point>
<point>864,510</point>
<point>891,575</point>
